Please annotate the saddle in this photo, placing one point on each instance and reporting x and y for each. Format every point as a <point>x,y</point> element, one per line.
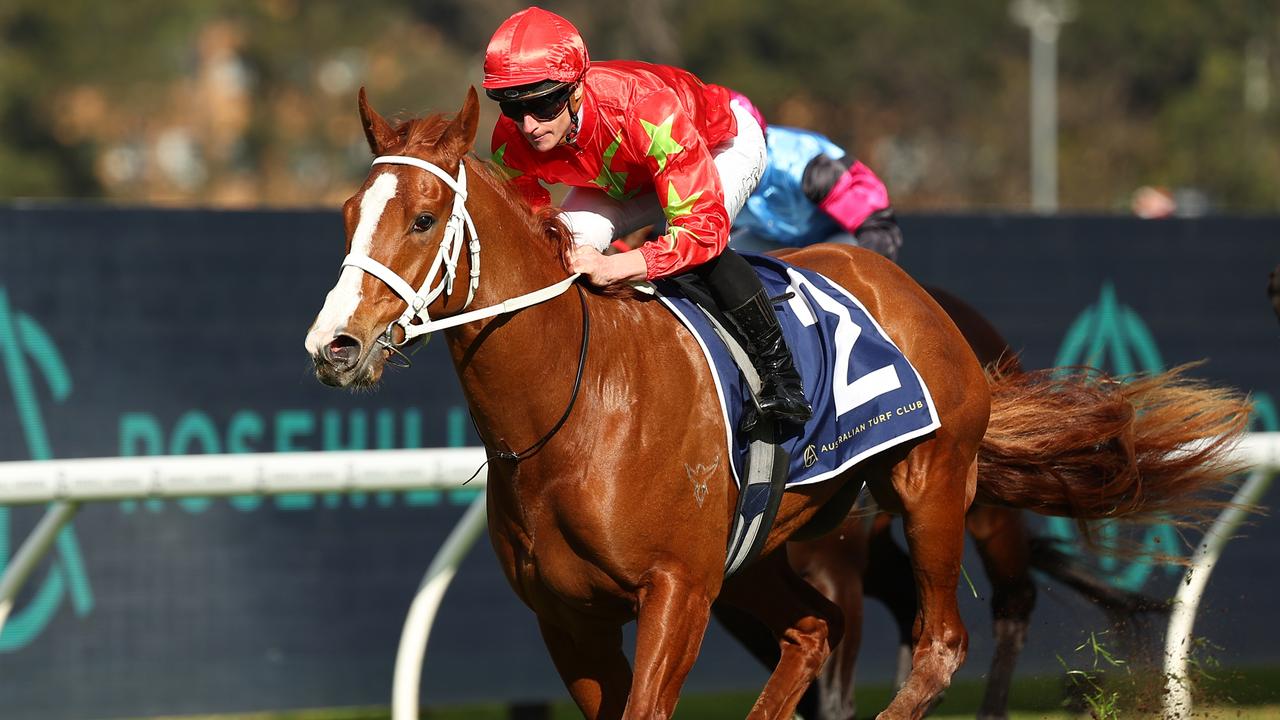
<point>866,396</point>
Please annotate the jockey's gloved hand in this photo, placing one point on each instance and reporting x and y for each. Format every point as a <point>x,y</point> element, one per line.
<point>880,232</point>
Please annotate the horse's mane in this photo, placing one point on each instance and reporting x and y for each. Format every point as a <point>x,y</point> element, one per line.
<point>545,223</point>
<point>419,136</point>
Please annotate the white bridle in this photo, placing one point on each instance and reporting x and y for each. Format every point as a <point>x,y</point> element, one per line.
<point>455,232</point>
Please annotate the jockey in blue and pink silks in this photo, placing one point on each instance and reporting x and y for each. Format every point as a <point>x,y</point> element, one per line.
<point>639,144</point>
<point>812,191</point>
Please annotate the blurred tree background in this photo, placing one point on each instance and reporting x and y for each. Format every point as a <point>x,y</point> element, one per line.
<point>238,103</point>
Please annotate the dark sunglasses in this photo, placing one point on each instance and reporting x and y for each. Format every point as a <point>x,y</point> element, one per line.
<point>543,109</point>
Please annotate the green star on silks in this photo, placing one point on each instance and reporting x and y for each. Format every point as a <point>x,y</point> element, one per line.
<point>507,170</point>
<point>612,182</point>
<point>661,144</point>
<point>676,208</point>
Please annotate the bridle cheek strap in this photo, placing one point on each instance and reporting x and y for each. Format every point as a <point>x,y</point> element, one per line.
<point>415,319</point>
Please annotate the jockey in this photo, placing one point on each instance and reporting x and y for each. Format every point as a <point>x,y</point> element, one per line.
<point>639,144</point>
<point>812,192</point>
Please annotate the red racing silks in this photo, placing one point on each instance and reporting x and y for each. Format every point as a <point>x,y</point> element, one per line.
<point>644,129</point>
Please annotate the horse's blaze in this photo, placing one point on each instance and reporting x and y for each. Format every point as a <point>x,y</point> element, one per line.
<point>342,302</point>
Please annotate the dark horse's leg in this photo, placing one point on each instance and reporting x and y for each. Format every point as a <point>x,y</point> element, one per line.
<point>889,580</point>
<point>592,665</point>
<point>1004,545</point>
<point>836,565</point>
<point>804,623</point>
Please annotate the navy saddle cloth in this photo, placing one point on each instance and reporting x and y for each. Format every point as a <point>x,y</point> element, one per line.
<point>866,396</point>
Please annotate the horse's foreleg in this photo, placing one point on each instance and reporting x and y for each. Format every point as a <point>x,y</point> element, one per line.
<point>593,667</point>
<point>670,624</point>
<point>1005,548</point>
<point>833,565</point>
<point>933,488</point>
<point>805,623</point>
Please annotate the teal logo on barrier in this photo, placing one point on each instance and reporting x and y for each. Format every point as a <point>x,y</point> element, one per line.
<point>1113,337</point>
<point>26,349</point>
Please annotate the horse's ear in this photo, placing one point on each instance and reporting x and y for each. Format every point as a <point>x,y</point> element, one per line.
<point>461,134</point>
<point>376,130</point>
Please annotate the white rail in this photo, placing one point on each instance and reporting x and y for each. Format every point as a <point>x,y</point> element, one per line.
<point>172,476</point>
<point>1263,453</point>
<point>28,556</point>
<point>422,612</point>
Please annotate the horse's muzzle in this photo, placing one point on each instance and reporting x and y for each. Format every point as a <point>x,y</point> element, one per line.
<point>342,362</point>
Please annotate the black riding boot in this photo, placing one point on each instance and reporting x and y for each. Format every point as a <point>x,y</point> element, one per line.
<point>781,392</point>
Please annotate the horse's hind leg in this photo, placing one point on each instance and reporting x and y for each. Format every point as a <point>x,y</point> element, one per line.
<point>933,489</point>
<point>805,623</point>
<point>592,665</point>
<point>1001,537</point>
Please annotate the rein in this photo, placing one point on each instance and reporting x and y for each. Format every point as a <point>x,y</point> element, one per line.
<point>573,396</point>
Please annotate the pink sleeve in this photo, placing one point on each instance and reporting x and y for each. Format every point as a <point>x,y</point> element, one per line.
<point>856,195</point>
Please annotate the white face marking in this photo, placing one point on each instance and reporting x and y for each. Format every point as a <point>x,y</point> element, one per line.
<point>342,300</point>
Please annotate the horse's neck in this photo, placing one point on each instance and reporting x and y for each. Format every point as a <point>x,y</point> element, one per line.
<point>515,258</point>
<point>509,365</point>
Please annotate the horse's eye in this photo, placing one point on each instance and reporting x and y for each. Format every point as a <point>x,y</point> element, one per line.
<point>423,223</point>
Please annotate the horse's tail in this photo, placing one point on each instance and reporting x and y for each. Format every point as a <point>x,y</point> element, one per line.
<point>1078,444</point>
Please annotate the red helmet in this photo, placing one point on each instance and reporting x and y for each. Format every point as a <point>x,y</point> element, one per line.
<point>533,53</point>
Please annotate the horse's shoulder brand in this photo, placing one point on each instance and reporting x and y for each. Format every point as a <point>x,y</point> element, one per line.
<point>700,475</point>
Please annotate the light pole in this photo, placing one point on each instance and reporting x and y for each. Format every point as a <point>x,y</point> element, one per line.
<point>1044,19</point>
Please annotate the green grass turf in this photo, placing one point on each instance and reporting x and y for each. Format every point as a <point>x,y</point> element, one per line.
<point>1238,694</point>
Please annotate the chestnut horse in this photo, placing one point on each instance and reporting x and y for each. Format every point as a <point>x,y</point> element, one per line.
<point>609,493</point>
